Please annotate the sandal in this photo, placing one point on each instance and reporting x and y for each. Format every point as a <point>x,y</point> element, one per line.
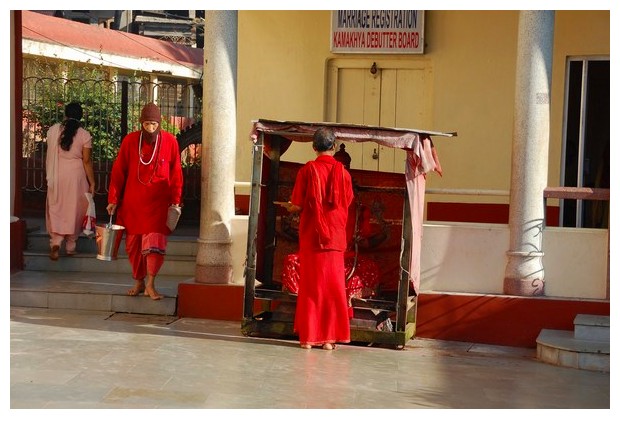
<point>54,253</point>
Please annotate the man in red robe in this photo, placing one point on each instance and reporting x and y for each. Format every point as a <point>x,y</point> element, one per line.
<point>322,194</point>
<point>146,180</point>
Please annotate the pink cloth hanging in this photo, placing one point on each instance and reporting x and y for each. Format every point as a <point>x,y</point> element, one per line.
<point>420,160</point>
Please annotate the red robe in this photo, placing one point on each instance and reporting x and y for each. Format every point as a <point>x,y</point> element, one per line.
<point>324,191</point>
<point>142,192</point>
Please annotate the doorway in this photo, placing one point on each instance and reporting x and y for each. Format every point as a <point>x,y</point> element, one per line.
<point>385,93</point>
<point>586,155</point>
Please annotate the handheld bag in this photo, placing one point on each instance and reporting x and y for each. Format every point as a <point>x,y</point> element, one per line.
<point>90,218</point>
<point>174,213</point>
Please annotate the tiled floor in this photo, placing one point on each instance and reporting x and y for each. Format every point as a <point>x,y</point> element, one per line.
<point>70,359</point>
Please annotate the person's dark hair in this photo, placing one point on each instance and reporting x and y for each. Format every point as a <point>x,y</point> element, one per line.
<point>324,139</point>
<point>73,115</point>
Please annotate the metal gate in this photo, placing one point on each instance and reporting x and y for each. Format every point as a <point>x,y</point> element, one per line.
<point>111,110</point>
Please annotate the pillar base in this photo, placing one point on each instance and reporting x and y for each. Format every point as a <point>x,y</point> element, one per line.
<point>212,301</point>
<point>214,274</point>
<point>524,287</point>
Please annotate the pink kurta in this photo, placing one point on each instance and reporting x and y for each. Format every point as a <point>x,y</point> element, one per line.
<point>67,182</point>
<point>142,192</point>
<point>324,191</point>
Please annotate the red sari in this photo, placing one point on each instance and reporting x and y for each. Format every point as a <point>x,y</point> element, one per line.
<point>324,191</point>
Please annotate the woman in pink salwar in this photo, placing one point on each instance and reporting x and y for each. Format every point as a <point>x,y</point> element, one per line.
<point>70,176</point>
<point>322,194</point>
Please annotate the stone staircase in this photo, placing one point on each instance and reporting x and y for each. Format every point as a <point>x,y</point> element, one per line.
<point>83,282</point>
<point>587,347</point>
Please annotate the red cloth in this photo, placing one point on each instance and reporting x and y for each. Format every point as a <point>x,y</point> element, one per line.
<point>324,191</point>
<point>365,278</point>
<point>145,253</point>
<point>143,193</point>
<point>361,284</point>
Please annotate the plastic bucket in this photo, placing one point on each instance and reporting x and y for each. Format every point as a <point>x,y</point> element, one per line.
<point>108,241</point>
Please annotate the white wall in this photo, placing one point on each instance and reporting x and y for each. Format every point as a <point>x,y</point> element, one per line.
<point>239,237</point>
<point>576,262</point>
<point>471,258</point>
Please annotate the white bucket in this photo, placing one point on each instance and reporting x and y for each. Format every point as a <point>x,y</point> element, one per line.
<point>108,241</point>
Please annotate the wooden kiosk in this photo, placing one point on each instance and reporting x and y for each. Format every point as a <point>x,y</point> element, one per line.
<point>383,312</point>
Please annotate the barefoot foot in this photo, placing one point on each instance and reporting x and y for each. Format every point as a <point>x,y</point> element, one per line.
<point>137,289</point>
<point>150,288</point>
<point>150,291</point>
<point>306,346</point>
<point>328,346</point>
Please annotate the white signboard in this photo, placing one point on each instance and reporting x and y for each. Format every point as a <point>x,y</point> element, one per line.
<point>378,31</point>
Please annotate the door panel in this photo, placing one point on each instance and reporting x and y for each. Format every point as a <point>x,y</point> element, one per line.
<point>388,118</point>
<point>350,107</point>
<point>586,155</point>
<point>395,96</point>
<point>372,100</point>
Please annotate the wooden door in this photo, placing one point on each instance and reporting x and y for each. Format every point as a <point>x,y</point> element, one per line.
<point>396,95</point>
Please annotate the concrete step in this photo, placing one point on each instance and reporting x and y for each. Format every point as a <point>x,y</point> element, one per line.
<point>182,245</point>
<point>174,265</point>
<point>561,348</point>
<point>591,327</point>
<point>180,258</point>
<point>91,291</point>
<point>83,282</point>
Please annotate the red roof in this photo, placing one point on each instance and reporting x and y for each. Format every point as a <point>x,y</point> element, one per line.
<point>48,29</point>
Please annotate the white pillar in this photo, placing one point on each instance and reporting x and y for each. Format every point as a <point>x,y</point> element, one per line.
<point>525,274</point>
<point>214,257</point>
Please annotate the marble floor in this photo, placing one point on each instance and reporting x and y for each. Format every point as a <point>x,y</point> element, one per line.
<point>75,359</point>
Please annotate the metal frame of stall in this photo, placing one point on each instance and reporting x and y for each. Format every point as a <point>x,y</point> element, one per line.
<point>262,322</point>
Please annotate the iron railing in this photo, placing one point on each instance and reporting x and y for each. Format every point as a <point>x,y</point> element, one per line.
<point>111,110</point>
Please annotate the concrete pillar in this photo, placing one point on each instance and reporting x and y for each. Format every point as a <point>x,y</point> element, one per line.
<point>214,257</point>
<point>525,274</point>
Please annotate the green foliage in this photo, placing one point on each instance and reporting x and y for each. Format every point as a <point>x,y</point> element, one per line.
<point>45,97</point>
<point>48,87</point>
<point>169,126</point>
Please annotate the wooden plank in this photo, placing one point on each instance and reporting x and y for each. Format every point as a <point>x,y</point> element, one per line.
<point>403,284</point>
<point>267,293</point>
<point>250,268</point>
<point>281,329</point>
<point>574,193</point>
<point>270,215</point>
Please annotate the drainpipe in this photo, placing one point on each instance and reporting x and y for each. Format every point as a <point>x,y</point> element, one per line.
<point>219,139</point>
<point>525,274</point>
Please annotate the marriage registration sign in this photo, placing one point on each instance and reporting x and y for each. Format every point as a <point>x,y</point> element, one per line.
<point>378,31</point>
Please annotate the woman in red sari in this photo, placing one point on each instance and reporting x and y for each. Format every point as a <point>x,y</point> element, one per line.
<point>146,180</point>
<point>322,194</point>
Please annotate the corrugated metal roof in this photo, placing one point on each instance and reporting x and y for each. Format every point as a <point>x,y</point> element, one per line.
<point>47,29</point>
